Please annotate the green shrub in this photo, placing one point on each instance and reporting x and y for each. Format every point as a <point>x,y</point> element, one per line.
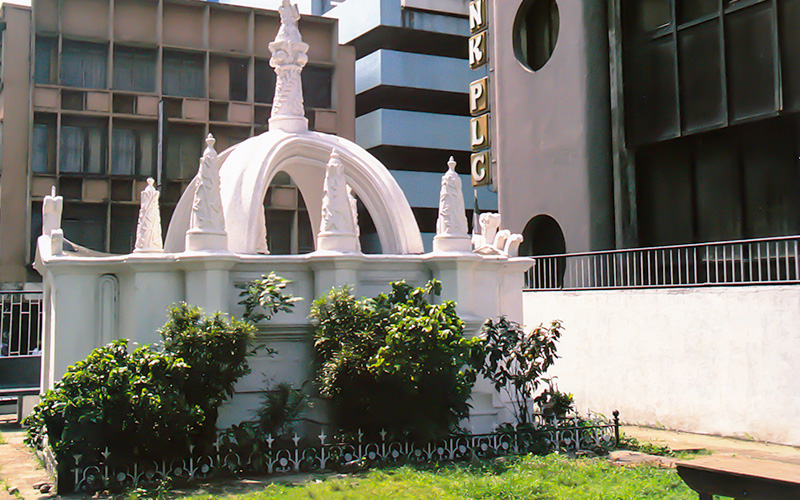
<point>149,404</point>
<point>395,362</point>
<point>133,404</point>
<point>516,361</point>
<point>280,409</point>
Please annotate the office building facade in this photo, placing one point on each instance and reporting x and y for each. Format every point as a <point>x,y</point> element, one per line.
<point>99,95</point>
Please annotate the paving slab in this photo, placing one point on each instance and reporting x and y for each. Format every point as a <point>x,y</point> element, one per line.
<point>717,445</point>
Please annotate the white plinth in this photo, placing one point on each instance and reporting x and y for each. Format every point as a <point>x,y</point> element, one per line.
<point>291,124</point>
<point>337,242</point>
<point>203,241</point>
<point>446,243</point>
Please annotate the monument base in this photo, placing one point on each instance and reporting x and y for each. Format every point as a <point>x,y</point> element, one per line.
<point>201,241</point>
<point>337,242</point>
<point>445,243</point>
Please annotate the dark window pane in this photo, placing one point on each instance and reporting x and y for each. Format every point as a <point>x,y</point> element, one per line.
<point>184,74</point>
<point>702,96</point>
<point>237,69</point>
<point>651,95</point>
<point>184,149</point>
<point>305,235</point>
<point>317,86</point>
<point>45,49</point>
<point>83,147</point>
<point>789,18</point>
<point>772,179</point>
<point>133,150</point>
<point>43,147</point>
<point>265,82</point>
<point>689,10</point>
<point>85,225</point>
<point>134,69</point>
<point>652,14</point>
<point>665,205</point>
<point>750,61</point>
<point>83,64</point>
<point>718,188</point>
<point>123,228</point>
<point>280,225</point>
<point>123,152</point>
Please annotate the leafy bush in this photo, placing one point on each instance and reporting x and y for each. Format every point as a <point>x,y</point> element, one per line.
<point>263,298</point>
<point>280,408</point>
<point>516,361</point>
<point>151,403</point>
<point>553,401</point>
<point>395,362</point>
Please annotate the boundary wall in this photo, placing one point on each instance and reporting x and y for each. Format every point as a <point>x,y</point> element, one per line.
<point>711,360</point>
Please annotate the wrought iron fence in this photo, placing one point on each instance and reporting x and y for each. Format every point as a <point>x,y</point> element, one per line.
<point>287,455</point>
<point>757,261</point>
<point>20,323</point>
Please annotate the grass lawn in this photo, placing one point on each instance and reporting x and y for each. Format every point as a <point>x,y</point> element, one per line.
<point>552,477</point>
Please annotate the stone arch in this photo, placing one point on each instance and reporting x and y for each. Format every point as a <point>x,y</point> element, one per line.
<point>248,168</point>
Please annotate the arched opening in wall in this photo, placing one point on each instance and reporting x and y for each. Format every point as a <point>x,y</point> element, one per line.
<point>289,228</point>
<point>535,32</point>
<point>367,234</point>
<point>543,236</point>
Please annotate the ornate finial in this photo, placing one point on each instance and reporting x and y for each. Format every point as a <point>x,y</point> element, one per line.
<point>52,206</point>
<point>493,240</point>
<point>148,229</point>
<point>338,230</point>
<point>451,226</point>
<point>288,58</point>
<point>207,224</point>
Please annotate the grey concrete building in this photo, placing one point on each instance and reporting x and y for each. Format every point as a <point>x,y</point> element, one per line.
<point>91,87</point>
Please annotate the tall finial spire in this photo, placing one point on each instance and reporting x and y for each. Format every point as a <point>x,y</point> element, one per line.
<point>207,222</point>
<point>288,58</point>
<point>451,225</point>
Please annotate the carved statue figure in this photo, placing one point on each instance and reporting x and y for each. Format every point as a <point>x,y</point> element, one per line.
<point>288,59</point>
<point>207,213</point>
<point>337,209</point>
<point>452,220</point>
<point>52,207</point>
<point>148,230</point>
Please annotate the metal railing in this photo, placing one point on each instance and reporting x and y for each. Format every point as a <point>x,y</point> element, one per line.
<point>20,323</point>
<point>740,262</point>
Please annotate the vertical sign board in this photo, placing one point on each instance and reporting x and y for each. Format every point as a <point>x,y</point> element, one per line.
<point>479,139</point>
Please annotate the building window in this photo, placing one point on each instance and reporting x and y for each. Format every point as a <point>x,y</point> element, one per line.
<point>45,57</point>
<point>535,32</point>
<point>184,149</point>
<point>237,84</point>
<point>134,69</point>
<point>85,224</point>
<point>83,147</point>
<point>288,224</point>
<point>265,82</point>
<point>123,228</point>
<point>43,149</point>
<point>690,10</point>
<point>184,74</point>
<point>83,64</point>
<point>317,86</point>
<point>133,150</point>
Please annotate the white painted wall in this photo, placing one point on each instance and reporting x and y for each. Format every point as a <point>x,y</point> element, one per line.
<point>722,360</point>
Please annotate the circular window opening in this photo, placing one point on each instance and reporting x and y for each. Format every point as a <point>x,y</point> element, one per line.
<point>535,32</point>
